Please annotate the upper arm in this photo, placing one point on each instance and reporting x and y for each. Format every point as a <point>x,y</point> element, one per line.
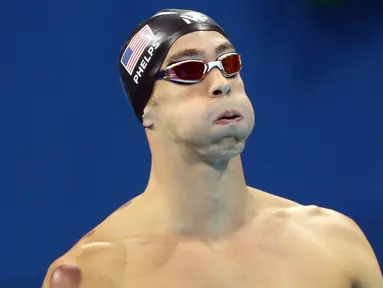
<point>62,275</point>
<point>92,265</point>
<point>364,265</point>
<point>356,255</point>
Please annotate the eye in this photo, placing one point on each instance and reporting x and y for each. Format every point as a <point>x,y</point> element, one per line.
<point>181,60</point>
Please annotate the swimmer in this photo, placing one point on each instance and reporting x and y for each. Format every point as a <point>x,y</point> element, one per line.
<point>198,224</point>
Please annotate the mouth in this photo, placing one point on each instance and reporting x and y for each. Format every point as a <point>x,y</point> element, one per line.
<point>228,117</point>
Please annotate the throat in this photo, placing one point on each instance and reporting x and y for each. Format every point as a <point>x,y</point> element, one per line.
<point>199,201</point>
<point>202,218</point>
<point>190,196</point>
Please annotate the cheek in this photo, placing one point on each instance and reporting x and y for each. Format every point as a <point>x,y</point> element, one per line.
<point>249,107</point>
<point>248,112</point>
<point>244,99</point>
<point>187,119</point>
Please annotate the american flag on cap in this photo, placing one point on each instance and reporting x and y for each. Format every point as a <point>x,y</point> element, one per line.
<point>135,48</point>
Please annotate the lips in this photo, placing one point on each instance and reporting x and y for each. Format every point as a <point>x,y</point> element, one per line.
<point>228,117</point>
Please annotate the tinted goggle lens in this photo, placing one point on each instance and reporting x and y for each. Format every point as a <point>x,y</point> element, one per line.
<point>195,70</point>
<point>231,64</point>
<point>189,70</point>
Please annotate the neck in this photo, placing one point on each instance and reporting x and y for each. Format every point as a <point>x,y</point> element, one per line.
<point>198,199</point>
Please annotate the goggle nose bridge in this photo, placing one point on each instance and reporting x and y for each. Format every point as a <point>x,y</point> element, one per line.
<point>211,65</point>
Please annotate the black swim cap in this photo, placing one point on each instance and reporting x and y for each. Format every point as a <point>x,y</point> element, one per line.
<point>145,50</point>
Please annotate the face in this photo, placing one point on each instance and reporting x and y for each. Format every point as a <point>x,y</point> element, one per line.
<point>187,114</point>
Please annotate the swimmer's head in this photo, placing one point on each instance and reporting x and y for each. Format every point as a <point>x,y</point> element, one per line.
<point>184,107</point>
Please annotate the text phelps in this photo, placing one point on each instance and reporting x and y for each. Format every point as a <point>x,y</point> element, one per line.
<point>144,62</point>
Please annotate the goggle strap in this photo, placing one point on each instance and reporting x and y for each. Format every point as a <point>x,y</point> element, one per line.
<point>160,75</point>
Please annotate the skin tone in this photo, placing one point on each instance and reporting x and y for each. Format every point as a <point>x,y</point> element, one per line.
<point>198,212</point>
<point>203,186</point>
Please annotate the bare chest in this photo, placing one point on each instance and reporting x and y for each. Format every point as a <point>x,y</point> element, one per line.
<point>246,262</point>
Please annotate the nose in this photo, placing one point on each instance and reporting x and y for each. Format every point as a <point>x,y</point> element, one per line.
<point>220,86</point>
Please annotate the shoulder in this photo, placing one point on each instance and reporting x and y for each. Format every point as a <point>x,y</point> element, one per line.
<point>88,262</point>
<point>339,236</point>
<point>342,236</point>
<point>328,224</point>
<point>333,225</point>
<point>335,232</point>
<point>318,220</point>
<point>99,256</point>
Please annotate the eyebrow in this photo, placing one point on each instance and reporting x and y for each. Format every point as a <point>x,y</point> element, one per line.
<point>190,53</point>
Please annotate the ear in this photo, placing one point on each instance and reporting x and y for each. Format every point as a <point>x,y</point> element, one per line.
<point>147,117</point>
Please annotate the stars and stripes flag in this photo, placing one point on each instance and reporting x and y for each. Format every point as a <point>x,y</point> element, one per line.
<point>135,48</point>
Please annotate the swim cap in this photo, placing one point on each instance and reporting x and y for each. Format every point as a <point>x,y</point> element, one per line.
<point>145,50</point>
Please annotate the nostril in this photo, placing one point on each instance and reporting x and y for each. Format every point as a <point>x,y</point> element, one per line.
<point>217,92</point>
<point>221,90</point>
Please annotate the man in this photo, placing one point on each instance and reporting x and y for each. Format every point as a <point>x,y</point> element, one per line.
<point>198,224</point>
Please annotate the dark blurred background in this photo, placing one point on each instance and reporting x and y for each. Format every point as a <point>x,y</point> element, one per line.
<point>72,150</point>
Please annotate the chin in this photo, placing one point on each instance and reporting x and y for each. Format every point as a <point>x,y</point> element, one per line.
<point>227,148</point>
<point>231,147</point>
